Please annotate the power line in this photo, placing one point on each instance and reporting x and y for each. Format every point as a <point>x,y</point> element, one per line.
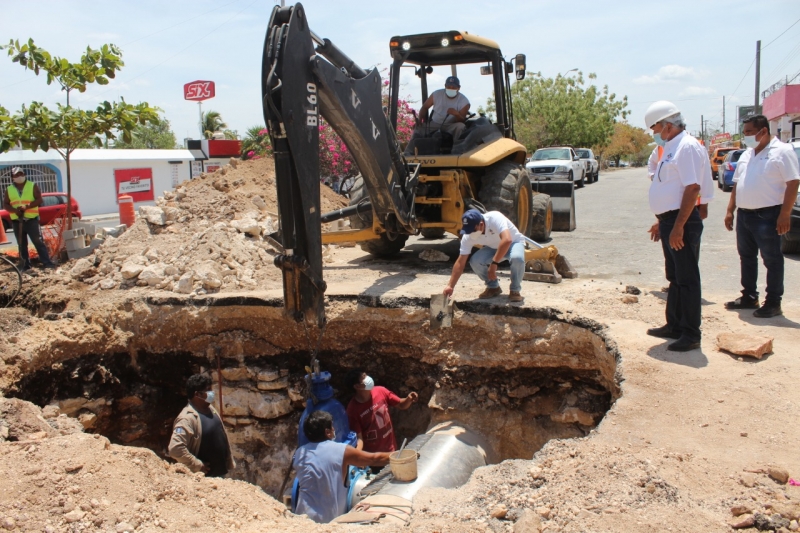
<point>779,36</point>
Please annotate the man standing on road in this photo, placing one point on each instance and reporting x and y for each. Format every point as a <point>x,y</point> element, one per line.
<point>764,189</point>
<point>22,201</point>
<point>199,439</point>
<point>673,199</point>
<point>450,109</point>
<point>501,240</point>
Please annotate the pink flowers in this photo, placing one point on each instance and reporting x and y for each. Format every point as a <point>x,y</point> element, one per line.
<point>251,153</point>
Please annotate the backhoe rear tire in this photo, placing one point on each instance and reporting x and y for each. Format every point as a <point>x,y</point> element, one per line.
<point>506,187</point>
<point>542,223</point>
<point>432,233</point>
<point>382,247</point>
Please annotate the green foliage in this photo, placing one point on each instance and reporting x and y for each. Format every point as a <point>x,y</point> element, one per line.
<point>256,143</point>
<point>154,136</point>
<point>212,123</point>
<point>562,110</point>
<point>231,135</point>
<point>628,141</point>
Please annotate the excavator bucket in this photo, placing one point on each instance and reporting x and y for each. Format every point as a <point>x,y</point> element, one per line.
<point>562,194</point>
<point>545,264</point>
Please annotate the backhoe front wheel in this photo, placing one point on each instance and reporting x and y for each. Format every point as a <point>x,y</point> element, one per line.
<point>506,187</point>
<point>382,247</point>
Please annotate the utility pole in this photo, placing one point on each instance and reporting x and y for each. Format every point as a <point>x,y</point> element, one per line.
<point>702,128</point>
<point>758,76</point>
<point>723,114</point>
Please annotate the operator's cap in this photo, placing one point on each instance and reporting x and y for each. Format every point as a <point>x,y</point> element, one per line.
<point>17,171</point>
<point>452,81</point>
<point>470,221</point>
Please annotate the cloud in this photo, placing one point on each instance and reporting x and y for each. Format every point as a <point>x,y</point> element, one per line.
<point>693,90</point>
<point>668,74</point>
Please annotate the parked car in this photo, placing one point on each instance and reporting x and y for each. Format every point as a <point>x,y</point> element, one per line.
<point>557,163</point>
<point>592,165</point>
<point>790,242</point>
<point>726,170</point>
<point>54,204</point>
<point>717,157</point>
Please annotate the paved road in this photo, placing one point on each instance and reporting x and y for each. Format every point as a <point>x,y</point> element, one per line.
<point>611,241</point>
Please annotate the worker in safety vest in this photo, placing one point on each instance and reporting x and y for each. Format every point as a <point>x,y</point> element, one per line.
<point>22,201</point>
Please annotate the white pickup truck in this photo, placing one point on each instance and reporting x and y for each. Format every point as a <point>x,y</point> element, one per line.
<point>556,163</point>
<point>592,165</point>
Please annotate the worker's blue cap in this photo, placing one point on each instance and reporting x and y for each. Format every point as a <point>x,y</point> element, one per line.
<point>470,221</point>
<point>452,81</point>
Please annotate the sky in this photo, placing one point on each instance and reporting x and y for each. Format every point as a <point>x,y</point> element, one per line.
<point>689,52</point>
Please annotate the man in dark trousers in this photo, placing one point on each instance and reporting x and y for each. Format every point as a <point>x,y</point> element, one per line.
<point>199,439</point>
<point>22,200</point>
<point>764,190</point>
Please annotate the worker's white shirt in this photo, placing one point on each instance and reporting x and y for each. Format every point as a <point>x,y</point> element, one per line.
<point>441,103</point>
<point>761,179</point>
<point>496,223</point>
<point>652,163</point>
<point>685,162</point>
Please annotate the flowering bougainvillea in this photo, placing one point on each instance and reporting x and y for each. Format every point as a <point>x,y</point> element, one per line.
<point>334,157</point>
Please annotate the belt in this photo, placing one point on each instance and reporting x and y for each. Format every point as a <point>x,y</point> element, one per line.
<point>760,209</point>
<point>669,214</point>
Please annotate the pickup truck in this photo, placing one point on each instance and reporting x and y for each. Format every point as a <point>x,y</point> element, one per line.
<point>592,165</point>
<point>557,163</point>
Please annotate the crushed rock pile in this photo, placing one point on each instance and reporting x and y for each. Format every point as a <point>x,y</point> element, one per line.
<point>57,478</point>
<point>206,236</point>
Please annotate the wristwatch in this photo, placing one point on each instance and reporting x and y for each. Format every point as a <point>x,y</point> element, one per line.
<point>495,263</point>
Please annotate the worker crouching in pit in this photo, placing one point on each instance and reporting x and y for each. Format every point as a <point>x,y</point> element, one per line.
<point>321,467</point>
<point>199,440</point>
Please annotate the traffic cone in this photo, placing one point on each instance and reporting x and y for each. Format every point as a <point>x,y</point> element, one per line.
<point>3,237</point>
<point>127,214</point>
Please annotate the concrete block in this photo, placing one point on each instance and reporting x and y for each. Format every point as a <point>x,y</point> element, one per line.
<point>77,254</point>
<point>74,233</point>
<point>89,229</point>
<point>74,244</point>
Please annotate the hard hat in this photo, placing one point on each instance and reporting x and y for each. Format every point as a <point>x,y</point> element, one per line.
<point>16,171</point>
<point>659,111</point>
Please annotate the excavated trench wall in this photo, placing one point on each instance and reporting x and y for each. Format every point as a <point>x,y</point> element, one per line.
<point>520,377</point>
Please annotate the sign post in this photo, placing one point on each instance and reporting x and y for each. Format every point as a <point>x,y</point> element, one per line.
<point>197,91</point>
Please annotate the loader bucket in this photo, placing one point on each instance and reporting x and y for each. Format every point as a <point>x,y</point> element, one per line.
<point>562,194</point>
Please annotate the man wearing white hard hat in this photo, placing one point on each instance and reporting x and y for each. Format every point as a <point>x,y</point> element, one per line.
<point>22,200</point>
<point>676,184</point>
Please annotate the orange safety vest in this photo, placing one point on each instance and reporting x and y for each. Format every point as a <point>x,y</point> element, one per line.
<point>660,155</point>
<point>23,200</point>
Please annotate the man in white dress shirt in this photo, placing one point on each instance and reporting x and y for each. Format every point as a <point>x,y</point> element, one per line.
<point>764,189</point>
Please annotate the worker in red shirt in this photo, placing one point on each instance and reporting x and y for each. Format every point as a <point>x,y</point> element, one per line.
<point>368,412</point>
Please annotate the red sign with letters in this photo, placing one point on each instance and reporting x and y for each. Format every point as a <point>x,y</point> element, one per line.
<point>136,183</point>
<point>199,90</point>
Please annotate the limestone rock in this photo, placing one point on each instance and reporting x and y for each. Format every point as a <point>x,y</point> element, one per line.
<point>267,226</point>
<point>153,215</point>
<point>131,270</point>
<point>247,225</point>
<point>742,522</point>
<point>81,268</point>
<point>629,299</point>
<point>238,373</point>
<point>151,254</point>
<point>278,384</point>
<point>748,480</point>
<point>74,516</point>
<point>50,411</point>
<point>153,274</point>
<point>268,374</point>
<point>259,202</point>
<point>742,344</point>
<point>171,214</point>
<point>71,406</point>
<point>499,512</point>
<point>208,273</point>
<point>124,527</point>
<point>88,420</point>
<point>570,415</point>
<point>433,256</point>
<point>269,405</point>
<point>544,512</point>
<point>184,285</point>
<point>108,284</point>
<point>740,509</point>
<point>778,474</point>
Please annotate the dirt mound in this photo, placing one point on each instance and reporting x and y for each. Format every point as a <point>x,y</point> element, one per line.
<point>209,235</point>
<point>66,480</point>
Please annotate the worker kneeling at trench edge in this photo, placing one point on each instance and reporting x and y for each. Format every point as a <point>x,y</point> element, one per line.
<point>199,439</point>
<point>321,467</point>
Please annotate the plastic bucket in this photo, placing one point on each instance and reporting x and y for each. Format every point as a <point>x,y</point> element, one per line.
<point>404,465</point>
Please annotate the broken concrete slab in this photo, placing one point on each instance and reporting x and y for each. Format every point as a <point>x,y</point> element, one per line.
<point>743,344</point>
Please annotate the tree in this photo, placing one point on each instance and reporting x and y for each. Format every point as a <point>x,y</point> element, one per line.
<point>560,110</point>
<point>153,136</point>
<point>627,141</point>
<point>212,123</point>
<point>64,130</point>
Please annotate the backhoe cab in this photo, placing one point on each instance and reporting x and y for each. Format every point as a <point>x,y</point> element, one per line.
<point>424,187</point>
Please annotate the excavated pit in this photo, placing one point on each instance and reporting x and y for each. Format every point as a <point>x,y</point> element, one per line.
<point>519,377</point>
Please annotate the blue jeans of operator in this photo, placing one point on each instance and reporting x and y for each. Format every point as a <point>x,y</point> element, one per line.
<point>25,229</point>
<point>482,259</point>
<point>756,231</point>
<point>683,273</point>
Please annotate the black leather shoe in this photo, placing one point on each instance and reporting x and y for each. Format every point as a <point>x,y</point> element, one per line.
<point>742,303</point>
<point>664,332</point>
<point>768,311</point>
<point>683,345</point>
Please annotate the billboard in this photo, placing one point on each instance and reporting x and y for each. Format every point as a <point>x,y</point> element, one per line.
<point>199,90</point>
<point>744,112</point>
<point>135,182</point>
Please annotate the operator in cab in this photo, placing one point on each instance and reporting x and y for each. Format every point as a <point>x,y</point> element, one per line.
<point>321,467</point>
<point>450,109</point>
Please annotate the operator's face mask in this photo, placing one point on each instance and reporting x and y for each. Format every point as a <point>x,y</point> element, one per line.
<point>451,93</point>
<point>210,397</point>
<point>368,383</point>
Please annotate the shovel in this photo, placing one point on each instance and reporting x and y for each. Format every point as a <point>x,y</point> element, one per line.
<point>441,311</point>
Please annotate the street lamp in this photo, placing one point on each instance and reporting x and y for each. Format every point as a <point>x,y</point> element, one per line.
<point>567,72</point>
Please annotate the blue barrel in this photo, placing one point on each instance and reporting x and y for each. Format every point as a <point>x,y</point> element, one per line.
<point>323,392</point>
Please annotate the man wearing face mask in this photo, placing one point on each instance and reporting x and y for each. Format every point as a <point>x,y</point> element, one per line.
<point>198,438</point>
<point>22,201</point>
<point>764,190</point>
<point>674,189</point>
<point>450,109</point>
<point>368,412</point>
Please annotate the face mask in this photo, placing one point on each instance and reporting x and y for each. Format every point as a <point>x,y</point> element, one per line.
<point>210,396</point>
<point>20,179</point>
<point>334,434</point>
<point>368,383</point>
<point>750,141</point>
<point>659,140</point>
<point>451,93</point>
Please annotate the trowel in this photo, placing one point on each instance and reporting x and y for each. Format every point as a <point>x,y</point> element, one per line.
<point>441,311</point>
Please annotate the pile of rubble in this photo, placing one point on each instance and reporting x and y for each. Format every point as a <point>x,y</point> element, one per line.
<point>210,234</point>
